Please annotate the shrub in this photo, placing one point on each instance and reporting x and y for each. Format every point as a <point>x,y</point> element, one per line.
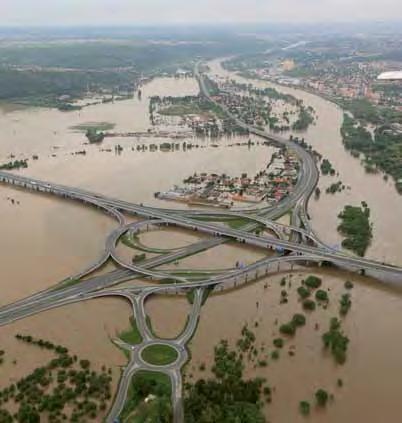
<point>304,407</point>
<point>321,295</point>
<point>303,292</point>
<point>348,285</point>
<point>287,329</point>
<point>299,319</point>
<point>309,305</point>
<point>321,397</point>
<point>275,355</point>
<point>345,304</point>
<point>336,341</point>
<point>313,282</point>
<point>278,342</point>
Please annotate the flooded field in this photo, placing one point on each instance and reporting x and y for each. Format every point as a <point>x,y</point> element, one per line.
<point>45,241</point>
<point>42,232</point>
<point>367,375</point>
<point>45,131</point>
<point>137,176</point>
<point>224,256</point>
<point>382,198</point>
<point>86,329</point>
<point>168,314</point>
<point>166,238</point>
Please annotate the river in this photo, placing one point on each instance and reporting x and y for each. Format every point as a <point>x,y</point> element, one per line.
<point>45,240</point>
<point>382,198</point>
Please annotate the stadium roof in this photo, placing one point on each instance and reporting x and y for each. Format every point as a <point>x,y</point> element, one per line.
<point>396,75</point>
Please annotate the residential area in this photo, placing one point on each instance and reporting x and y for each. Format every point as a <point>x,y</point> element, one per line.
<point>270,185</point>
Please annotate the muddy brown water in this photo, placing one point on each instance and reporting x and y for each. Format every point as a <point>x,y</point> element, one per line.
<point>168,314</point>
<point>384,201</point>
<point>45,240</point>
<point>55,238</point>
<point>86,328</point>
<point>370,374</point>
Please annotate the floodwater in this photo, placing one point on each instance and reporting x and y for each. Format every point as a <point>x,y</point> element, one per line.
<point>224,256</point>
<point>382,198</point>
<point>370,374</point>
<point>166,238</point>
<point>168,314</point>
<point>38,130</point>
<point>86,328</point>
<point>44,241</point>
<point>137,176</point>
<point>55,238</point>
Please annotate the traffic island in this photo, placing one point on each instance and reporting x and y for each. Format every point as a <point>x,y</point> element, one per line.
<point>159,354</point>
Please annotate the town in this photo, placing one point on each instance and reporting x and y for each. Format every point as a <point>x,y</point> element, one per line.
<point>270,185</point>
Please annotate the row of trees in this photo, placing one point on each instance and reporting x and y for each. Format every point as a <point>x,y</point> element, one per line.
<point>16,164</point>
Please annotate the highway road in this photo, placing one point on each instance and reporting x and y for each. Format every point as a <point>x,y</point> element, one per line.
<point>283,238</point>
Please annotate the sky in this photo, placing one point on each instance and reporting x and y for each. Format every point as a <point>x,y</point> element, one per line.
<point>134,12</point>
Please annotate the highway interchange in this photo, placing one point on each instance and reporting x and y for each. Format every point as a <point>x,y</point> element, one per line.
<point>297,243</point>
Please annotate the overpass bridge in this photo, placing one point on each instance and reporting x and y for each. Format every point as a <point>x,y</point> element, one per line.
<point>310,250</point>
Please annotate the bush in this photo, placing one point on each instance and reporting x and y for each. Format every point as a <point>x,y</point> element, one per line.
<point>309,305</point>
<point>321,295</point>
<point>321,397</point>
<point>303,292</point>
<point>313,282</point>
<point>345,303</point>
<point>336,341</point>
<point>304,407</point>
<point>278,342</point>
<point>299,319</point>
<point>287,329</point>
<point>275,355</point>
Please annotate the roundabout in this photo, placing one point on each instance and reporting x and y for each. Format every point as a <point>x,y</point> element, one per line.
<point>159,354</point>
<point>293,244</point>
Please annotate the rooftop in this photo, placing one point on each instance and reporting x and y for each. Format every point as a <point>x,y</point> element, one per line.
<point>396,75</point>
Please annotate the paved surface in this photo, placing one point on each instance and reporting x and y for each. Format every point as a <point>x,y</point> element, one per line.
<point>300,244</point>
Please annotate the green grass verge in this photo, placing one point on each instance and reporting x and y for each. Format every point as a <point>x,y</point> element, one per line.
<point>131,336</point>
<point>99,126</point>
<point>134,243</point>
<point>234,222</point>
<point>237,223</point>
<point>65,284</point>
<point>159,354</point>
<point>183,109</point>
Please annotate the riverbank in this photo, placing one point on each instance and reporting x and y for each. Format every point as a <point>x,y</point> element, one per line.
<point>384,202</point>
